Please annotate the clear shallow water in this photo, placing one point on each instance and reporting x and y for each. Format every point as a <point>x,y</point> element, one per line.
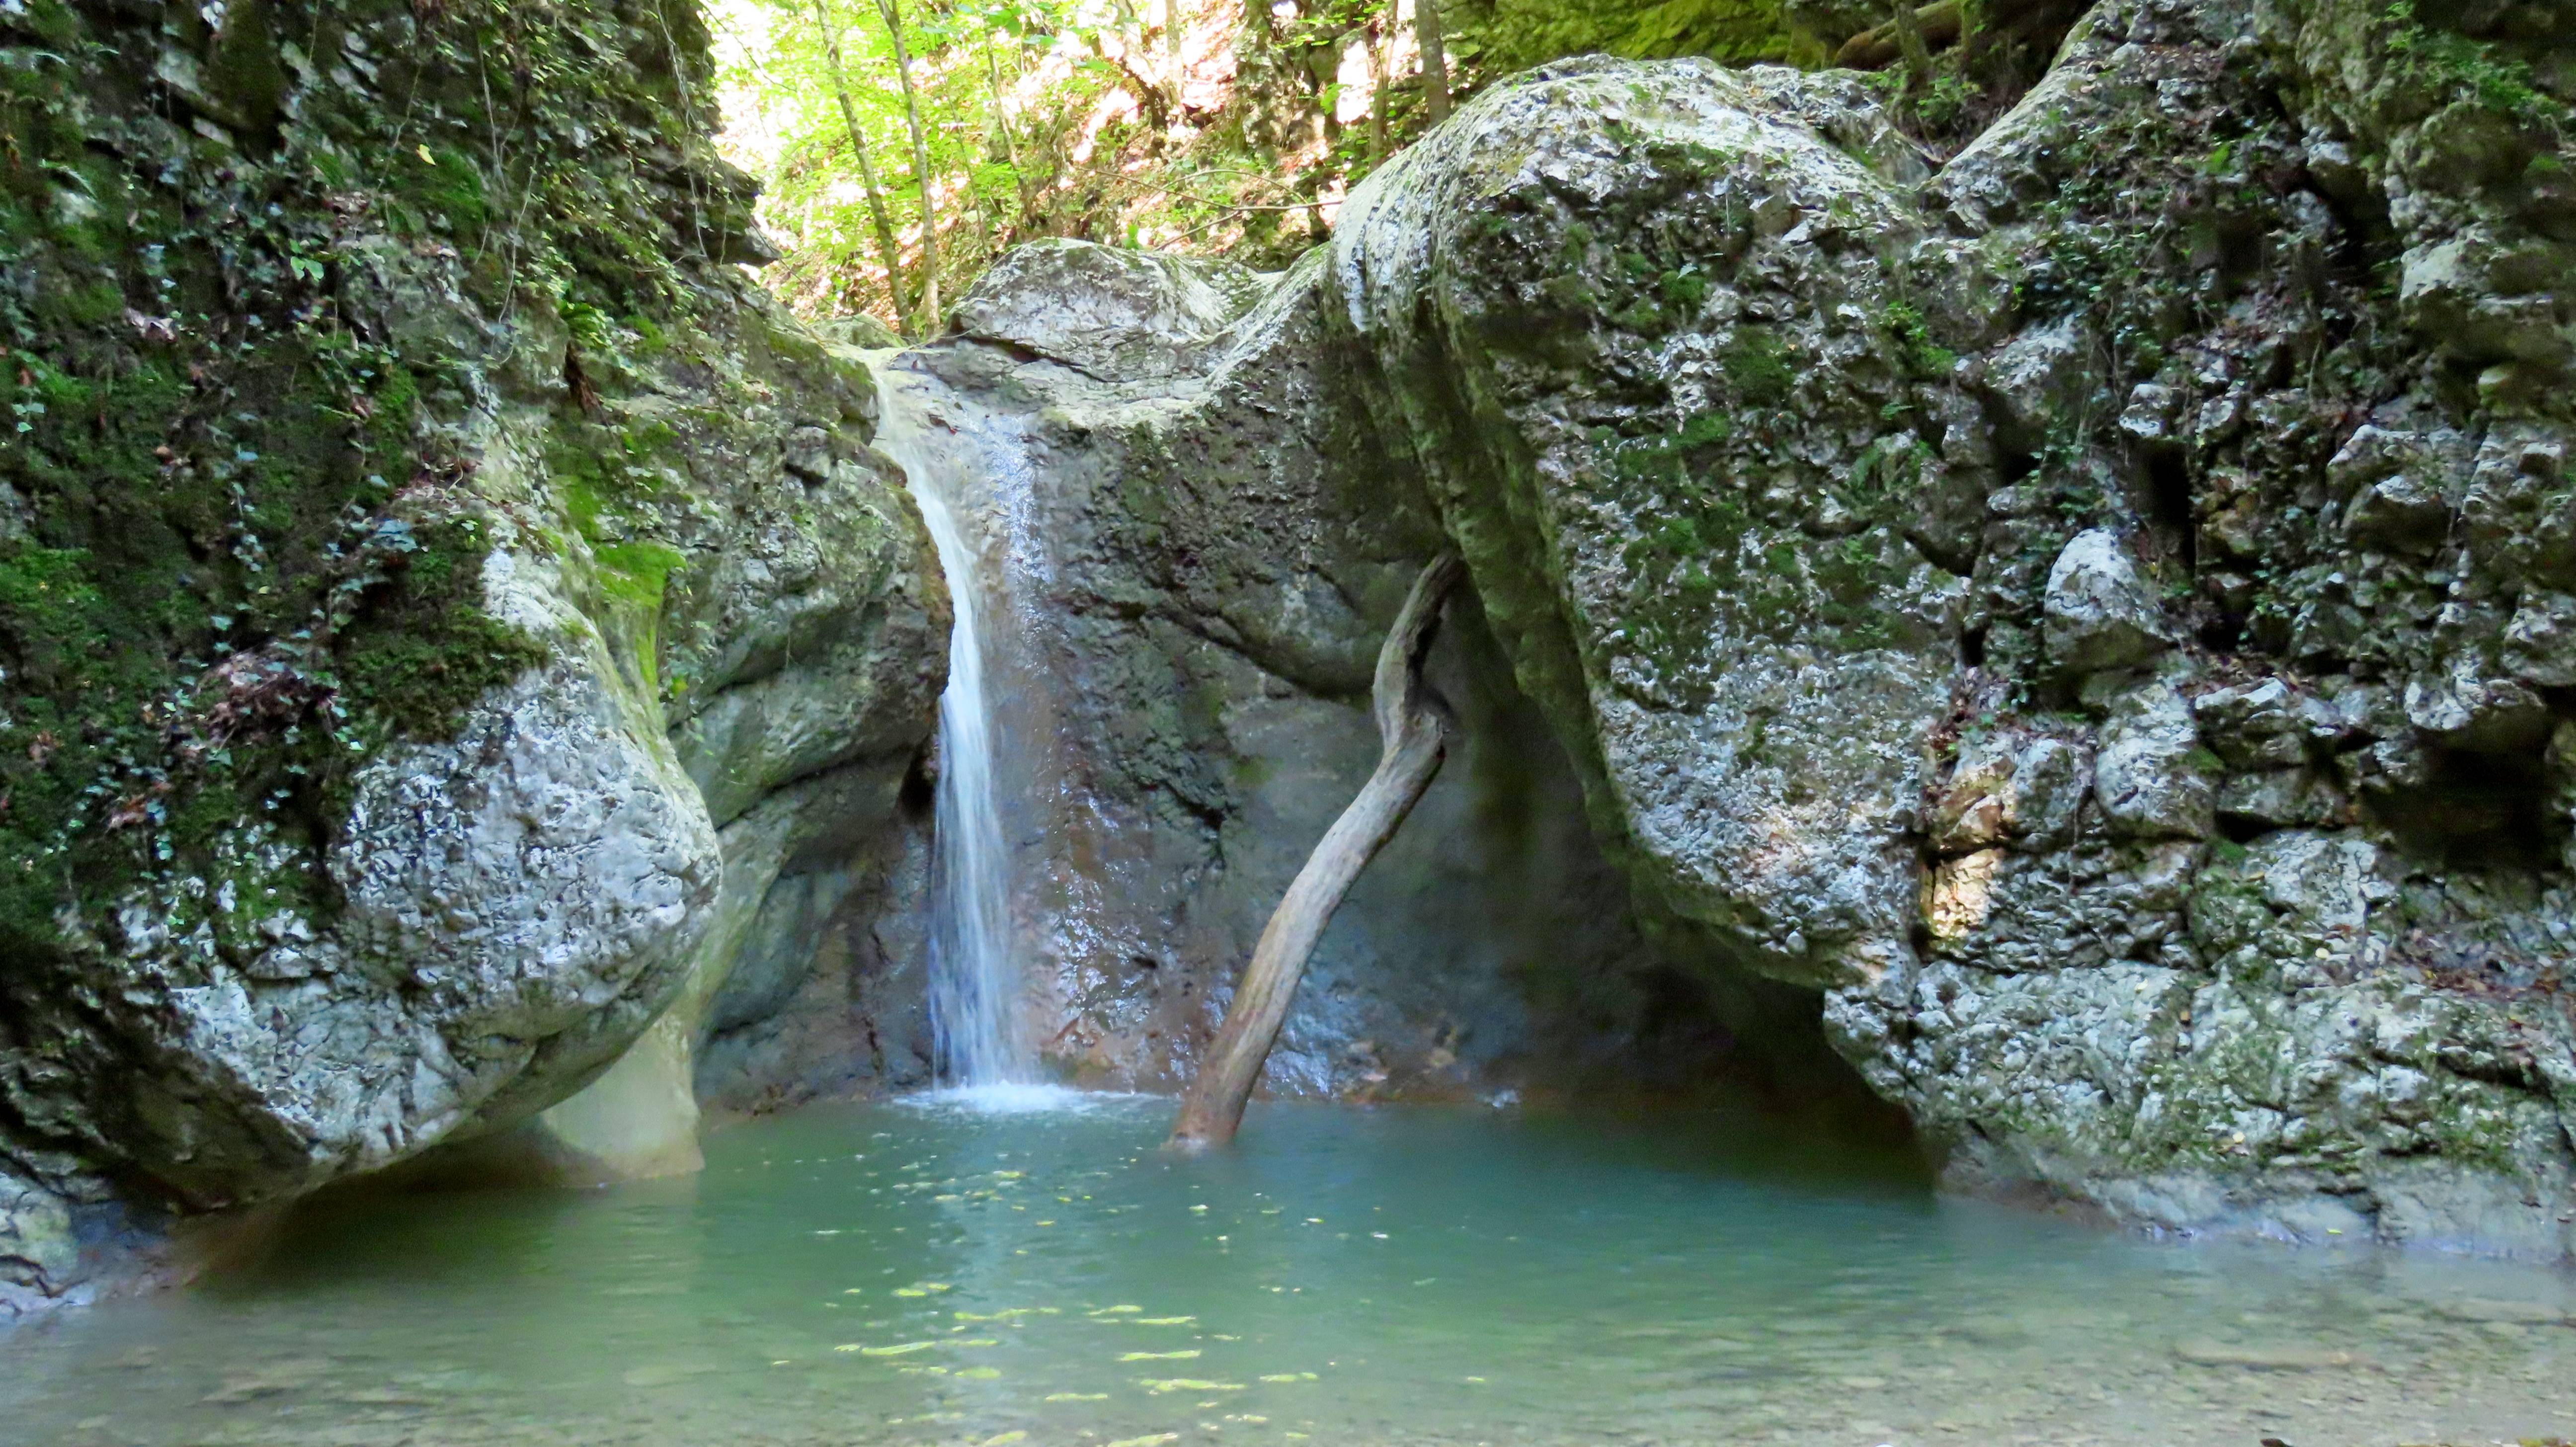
<point>929,1273</point>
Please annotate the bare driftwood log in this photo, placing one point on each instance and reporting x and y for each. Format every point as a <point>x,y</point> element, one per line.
<point>1412,729</point>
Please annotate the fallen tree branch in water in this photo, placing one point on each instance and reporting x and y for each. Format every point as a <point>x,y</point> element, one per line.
<point>1413,730</point>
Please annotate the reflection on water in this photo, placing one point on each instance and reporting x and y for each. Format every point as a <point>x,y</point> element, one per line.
<point>940,1273</point>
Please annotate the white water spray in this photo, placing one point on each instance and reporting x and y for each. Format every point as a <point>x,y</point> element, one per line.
<point>974,973</point>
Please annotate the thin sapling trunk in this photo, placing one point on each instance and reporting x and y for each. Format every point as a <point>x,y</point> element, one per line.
<point>889,251</point>
<point>926,308</point>
<point>1412,727</point>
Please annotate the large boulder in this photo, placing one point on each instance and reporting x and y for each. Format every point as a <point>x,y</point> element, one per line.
<point>407,596</point>
<point>1642,327</point>
<point>2056,615</point>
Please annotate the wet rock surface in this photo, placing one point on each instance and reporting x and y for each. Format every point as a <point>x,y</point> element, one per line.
<point>549,607</point>
<point>2079,636</point>
<point>2063,605</point>
<point>1191,572</point>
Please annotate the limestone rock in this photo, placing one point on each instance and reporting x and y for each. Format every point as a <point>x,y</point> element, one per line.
<point>2010,788</point>
<point>2267,724</point>
<point>2100,612</point>
<point>2540,641</point>
<point>1796,494</point>
<point>1673,560</point>
<point>1119,315</point>
<point>2459,703</point>
<point>2051,628</point>
<point>2149,779</point>
<point>414,777</point>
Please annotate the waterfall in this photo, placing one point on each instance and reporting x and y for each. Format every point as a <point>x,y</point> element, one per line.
<point>974,973</point>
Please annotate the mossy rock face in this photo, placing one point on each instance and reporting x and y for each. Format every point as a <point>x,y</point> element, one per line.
<point>2290,365</point>
<point>1791,474</point>
<point>391,458</point>
<point>1659,341</point>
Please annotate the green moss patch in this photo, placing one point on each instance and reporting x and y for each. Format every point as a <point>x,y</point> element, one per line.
<point>260,279</point>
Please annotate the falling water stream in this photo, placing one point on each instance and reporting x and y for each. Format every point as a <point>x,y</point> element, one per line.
<point>1003,1262</point>
<point>974,974</point>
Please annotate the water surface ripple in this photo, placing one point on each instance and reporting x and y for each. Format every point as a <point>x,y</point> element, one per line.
<point>945,1272</point>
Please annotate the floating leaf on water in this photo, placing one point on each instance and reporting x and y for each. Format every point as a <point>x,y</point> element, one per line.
<point>1154,1441</point>
<point>1179,1356</point>
<point>895,1351</point>
<point>979,1374</point>
<point>1162,1320</point>
<point>1077,1396</point>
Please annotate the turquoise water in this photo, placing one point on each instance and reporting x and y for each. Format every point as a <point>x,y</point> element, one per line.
<point>910,1274</point>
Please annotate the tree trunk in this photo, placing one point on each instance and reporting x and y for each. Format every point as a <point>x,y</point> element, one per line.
<point>926,307</point>
<point>1381,60</point>
<point>1020,178</point>
<point>1911,44</point>
<point>1944,22</point>
<point>1412,727</point>
<point>1435,57</point>
<point>889,250</point>
<point>1153,104</point>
